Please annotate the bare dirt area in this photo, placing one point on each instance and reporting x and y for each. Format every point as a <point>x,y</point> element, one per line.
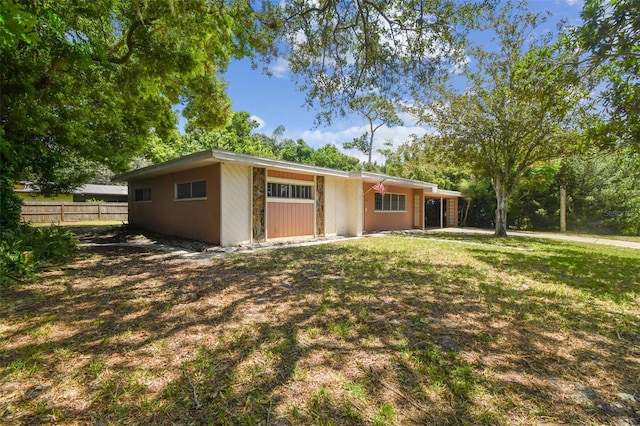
<point>376,331</point>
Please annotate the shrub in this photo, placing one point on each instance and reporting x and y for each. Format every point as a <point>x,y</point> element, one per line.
<point>10,205</point>
<point>24,250</point>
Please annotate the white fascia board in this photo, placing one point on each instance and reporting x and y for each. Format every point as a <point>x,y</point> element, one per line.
<point>378,177</point>
<point>449,193</point>
<point>270,163</point>
<point>191,161</point>
<point>213,156</point>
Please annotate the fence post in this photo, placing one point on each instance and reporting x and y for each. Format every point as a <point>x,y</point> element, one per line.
<point>99,212</point>
<point>61,212</point>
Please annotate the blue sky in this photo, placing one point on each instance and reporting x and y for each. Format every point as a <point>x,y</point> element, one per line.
<point>274,101</point>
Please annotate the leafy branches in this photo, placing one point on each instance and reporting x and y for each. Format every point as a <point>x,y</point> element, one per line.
<point>519,109</point>
<point>379,112</point>
<point>104,76</point>
<point>339,50</point>
<point>609,42</point>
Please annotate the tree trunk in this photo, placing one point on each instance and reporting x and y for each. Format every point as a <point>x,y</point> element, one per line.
<point>467,207</point>
<point>502,199</point>
<point>563,208</point>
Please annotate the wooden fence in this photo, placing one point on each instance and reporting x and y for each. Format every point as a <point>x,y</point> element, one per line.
<point>55,211</point>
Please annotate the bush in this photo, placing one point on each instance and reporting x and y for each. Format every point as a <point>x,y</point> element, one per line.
<point>24,250</point>
<point>10,206</point>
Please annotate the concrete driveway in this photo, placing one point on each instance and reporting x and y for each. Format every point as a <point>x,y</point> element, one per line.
<point>549,235</point>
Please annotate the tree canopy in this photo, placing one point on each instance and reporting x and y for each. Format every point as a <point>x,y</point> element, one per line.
<point>340,50</point>
<point>93,80</point>
<point>239,136</point>
<point>517,111</point>
<point>609,42</point>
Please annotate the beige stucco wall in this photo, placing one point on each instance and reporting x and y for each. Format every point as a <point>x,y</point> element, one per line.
<point>235,190</point>
<point>196,219</point>
<point>351,209</point>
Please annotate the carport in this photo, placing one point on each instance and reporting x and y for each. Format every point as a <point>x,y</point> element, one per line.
<point>441,209</point>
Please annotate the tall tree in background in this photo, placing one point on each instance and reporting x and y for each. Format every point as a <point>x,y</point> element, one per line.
<point>378,111</point>
<point>603,191</point>
<point>422,159</point>
<point>609,42</point>
<point>517,111</point>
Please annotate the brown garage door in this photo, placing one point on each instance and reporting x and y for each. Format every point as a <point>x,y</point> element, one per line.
<point>289,219</point>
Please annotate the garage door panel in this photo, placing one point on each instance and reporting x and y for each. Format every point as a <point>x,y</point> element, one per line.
<point>289,219</point>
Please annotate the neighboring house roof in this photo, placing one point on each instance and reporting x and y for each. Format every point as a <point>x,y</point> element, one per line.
<point>29,187</point>
<point>213,156</point>
<point>102,189</point>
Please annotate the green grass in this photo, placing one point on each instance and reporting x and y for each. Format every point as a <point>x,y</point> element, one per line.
<point>383,331</point>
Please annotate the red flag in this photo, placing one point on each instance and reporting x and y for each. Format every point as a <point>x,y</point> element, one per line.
<point>378,187</point>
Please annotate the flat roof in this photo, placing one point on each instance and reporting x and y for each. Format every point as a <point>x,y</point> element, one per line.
<point>214,156</point>
<point>89,188</point>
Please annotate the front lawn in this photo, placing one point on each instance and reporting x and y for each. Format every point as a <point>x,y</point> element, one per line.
<point>388,330</point>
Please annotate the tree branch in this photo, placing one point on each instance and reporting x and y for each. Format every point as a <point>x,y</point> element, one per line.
<point>130,42</point>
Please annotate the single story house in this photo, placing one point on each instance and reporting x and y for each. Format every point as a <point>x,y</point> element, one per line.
<point>89,192</point>
<point>228,198</point>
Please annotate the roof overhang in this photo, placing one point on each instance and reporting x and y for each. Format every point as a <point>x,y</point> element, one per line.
<point>444,193</point>
<point>213,156</point>
<point>370,177</point>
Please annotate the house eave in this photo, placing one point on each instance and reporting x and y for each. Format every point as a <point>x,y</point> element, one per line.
<point>214,156</point>
<point>178,164</point>
<point>370,177</point>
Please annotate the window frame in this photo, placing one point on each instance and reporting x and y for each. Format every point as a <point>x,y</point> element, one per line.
<point>293,186</point>
<point>143,191</point>
<point>176,193</point>
<point>384,202</point>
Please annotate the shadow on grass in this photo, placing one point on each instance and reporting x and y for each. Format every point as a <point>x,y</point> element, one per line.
<point>369,332</point>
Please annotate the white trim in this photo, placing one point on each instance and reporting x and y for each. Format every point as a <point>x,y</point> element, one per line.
<point>250,189</point>
<point>382,194</point>
<point>290,181</point>
<point>290,200</point>
<point>190,182</point>
<point>213,156</point>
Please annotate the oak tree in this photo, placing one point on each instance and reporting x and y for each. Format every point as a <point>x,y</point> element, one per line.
<point>518,109</point>
<point>89,82</point>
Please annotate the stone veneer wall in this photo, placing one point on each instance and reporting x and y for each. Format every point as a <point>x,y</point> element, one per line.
<point>259,204</point>
<point>320,206</point>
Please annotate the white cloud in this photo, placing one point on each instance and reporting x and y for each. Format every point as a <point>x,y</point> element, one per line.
<point>573,2</point>
<point>260,121</point>
<point>397,135</point>
<point>279,68</point>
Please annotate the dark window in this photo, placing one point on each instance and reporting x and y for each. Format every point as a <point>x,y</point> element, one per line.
<point>285,190</point>
<point>378,201</point>
<point>142,194</point>
<point>191,190</point>
<point>390,202</point>
<point>198,189</point>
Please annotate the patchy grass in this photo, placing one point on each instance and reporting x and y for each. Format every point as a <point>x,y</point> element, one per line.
<point>379,331</point>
